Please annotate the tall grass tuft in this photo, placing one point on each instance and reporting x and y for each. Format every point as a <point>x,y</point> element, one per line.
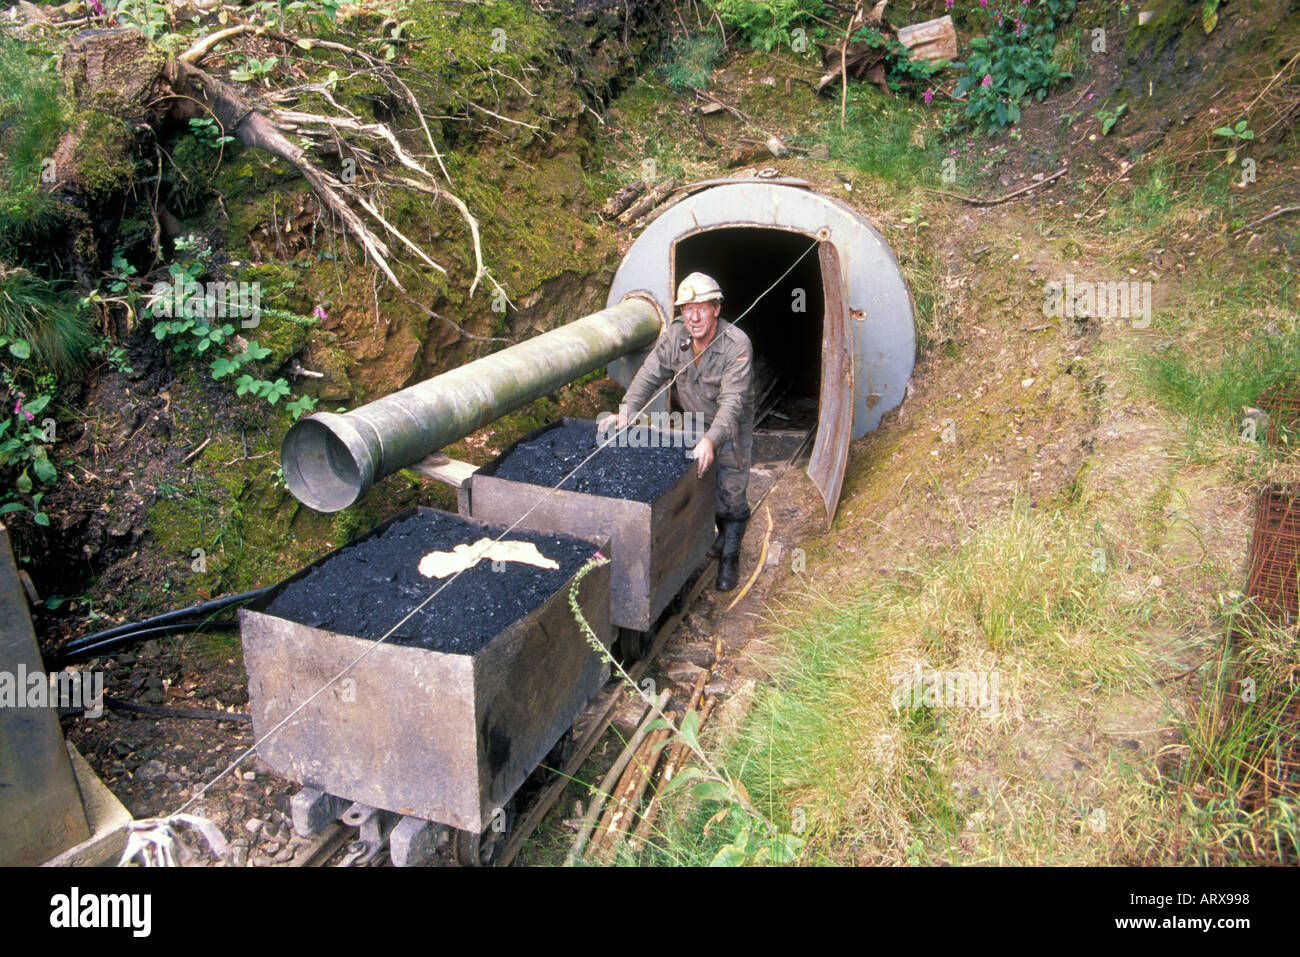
<point>1240,767</point>
<point>692,61</point>
<point>47,317</point>
<point>879,138</point>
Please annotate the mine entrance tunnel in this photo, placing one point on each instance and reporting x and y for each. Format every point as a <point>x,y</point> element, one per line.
<point>784,321</point>
<point>834,341</point>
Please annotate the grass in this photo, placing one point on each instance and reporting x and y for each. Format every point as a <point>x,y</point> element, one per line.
<point>1240,759</point>
<point>31,121</point>
<point>826,747</point>
<point>1230,339</point>
<point>880,138</point>
<point>692,61</point>
<point>40,312</point>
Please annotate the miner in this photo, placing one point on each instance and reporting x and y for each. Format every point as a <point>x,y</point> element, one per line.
<point>712,362</point>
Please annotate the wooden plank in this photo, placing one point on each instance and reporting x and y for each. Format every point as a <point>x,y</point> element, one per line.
<point>440,468</point>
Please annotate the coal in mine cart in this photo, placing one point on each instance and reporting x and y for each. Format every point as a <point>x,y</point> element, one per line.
<point>655,546</point>
<point>446,736</point>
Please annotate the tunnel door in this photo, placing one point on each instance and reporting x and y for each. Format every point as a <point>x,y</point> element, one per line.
<point>835,405</point>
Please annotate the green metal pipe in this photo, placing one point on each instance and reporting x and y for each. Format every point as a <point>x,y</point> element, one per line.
<point>330,460</point>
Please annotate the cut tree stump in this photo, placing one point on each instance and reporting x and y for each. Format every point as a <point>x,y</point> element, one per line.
<point>933,40</point>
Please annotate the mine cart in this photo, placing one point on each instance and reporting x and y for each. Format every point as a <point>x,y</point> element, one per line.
<point>403,731</point>
<point>654,546</point>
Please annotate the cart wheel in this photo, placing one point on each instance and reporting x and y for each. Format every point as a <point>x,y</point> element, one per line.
<point>633,645</point>
<point>555,758</point>
<point>482,850</point>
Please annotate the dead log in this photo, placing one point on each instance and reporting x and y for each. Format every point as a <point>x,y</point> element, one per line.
<point>622,199</point>
<point>861,59</point>
<point>932,41</point>
<point>647,202</point>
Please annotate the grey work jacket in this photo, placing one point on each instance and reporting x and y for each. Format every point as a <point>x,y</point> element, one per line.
<point>719,388</point>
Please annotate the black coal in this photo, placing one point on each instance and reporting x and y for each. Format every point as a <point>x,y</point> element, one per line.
<point>364,589</point>
<point>629,472</point>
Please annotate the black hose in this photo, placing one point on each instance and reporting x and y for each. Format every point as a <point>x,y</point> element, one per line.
<point>182,614</point>
<point>68,656</point>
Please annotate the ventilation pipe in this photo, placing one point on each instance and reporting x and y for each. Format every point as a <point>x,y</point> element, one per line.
<point>330,460</point>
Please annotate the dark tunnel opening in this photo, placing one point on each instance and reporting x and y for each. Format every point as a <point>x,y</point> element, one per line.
<point>785,326</point>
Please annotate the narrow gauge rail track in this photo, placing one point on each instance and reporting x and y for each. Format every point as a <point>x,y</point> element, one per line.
<point>325,846</point>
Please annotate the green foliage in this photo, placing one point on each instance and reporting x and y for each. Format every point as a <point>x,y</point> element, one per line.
<point>1109,118</point>
<point>113,355</point>
<point>196,331</point>
<point>31,122</point>
<point>254,68</point>
<point>1241,131</point>
<point>692,61</point>
<point>42,315</point>
<point>24,433</point>
<point>1012,60</point>
<point>750,837</point>
<point>207,132</point>
<point>767,23</point>
<point>1235,135</point>
<point>1209,15</point>
<point>900,68</point>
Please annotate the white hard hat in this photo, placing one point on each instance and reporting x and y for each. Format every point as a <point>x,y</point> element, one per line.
<point>697,287</point>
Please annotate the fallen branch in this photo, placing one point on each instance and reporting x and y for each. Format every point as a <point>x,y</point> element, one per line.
<point>676,757</point>
<point>203,446</point>
<point>647,202</point>
<point>1002,199</point>
<point>1284,211</point>
<point>631,786</point>
<point>622,199</point>
<point>602,794</point>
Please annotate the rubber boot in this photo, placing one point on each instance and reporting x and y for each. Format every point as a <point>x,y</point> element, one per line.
<point>729,565</point>
<point>715,550</point>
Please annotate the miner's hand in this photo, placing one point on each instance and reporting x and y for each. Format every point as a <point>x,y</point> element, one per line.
<point>704,453</point>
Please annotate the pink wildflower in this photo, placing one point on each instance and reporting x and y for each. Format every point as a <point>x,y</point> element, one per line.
<point>319,313</point>
<point>927,96</point>
<point>988,80</point>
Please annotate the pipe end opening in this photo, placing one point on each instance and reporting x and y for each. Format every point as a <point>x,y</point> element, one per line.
<point>326,465</point>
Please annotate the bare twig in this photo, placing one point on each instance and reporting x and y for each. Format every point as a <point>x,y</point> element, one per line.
<point>1284,211</point>
<point>974,201</point>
